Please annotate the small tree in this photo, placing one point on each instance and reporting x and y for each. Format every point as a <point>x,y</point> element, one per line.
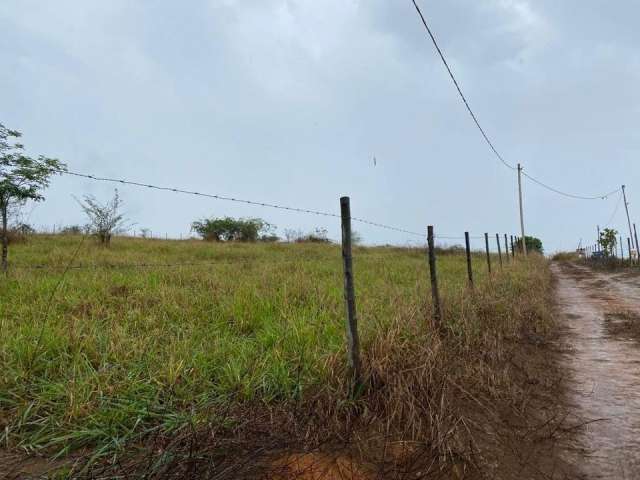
<point>104,219</point>
<point>609,241</point>
<point>22,178</point>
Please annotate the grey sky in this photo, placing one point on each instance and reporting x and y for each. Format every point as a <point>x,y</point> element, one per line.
<point>288,101</point>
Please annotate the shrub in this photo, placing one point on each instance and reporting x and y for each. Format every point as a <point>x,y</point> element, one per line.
<point>533,244</point>
<point>72,230</point>
<point>270,238</point>
<point>319,235</point>
<point>225,229</point>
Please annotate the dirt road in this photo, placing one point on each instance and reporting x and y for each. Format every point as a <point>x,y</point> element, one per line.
<point>601,312</point>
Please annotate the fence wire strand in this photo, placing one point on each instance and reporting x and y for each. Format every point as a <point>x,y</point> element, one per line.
<point>238,200</point>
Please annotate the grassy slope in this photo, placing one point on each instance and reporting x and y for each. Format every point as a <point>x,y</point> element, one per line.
<point>126,351</point>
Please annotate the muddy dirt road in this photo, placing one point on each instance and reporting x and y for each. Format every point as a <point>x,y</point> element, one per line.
<point>601,313</point>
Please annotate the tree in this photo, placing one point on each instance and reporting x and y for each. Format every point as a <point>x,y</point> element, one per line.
<point>533,244</point>
<point>104,219</point>
<point>226,229</point>
<point>22,178</point>
<point>608,241</point>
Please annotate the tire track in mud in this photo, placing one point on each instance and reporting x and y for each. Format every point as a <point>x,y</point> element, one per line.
<point>601,316</point>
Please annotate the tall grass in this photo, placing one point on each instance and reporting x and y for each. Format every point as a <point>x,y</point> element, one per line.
<point>123,353</point>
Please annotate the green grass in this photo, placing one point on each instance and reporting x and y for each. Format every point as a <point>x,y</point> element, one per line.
<point>121,352</point>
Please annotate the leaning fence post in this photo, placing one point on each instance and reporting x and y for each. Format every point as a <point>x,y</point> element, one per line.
<point>353,343</point>
<point>469,267</point>
<point>486,245</point>
<point>499,249</point>
<point>635,234</point>
<point>435,294</point>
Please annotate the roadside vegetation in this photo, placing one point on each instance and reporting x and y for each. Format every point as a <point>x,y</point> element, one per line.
<point>228,355</point>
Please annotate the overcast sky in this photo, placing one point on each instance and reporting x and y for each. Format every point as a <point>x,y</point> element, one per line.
<point>289,101</point>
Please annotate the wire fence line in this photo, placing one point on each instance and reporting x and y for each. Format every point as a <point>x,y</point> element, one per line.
<point>261,204</point>
<point>238,200</point>
<point>355,378</point>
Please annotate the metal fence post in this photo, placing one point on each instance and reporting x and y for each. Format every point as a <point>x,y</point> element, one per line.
<point>469,267</point>
<point>435,294</point>
<point>353,342</point>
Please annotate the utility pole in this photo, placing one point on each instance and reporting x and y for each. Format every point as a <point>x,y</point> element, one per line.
<point>626,207</point>
<point>524,243</point>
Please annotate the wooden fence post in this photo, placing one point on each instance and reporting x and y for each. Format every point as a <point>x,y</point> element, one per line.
<point>629,246</point>
<point>506,248</point>
<point>499,249</point>
<point>353,342</point>
<point>621,250</point>
<point>469,267</point>
<point>635,234</point>
<point>486,245</point>
<point>513,251</point>
<point>435,294</point>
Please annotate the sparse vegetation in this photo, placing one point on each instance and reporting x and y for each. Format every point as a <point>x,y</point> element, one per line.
<point>318,235</point>
<point>565,257</point>
<point>254,341</point>
<point>105,219</point>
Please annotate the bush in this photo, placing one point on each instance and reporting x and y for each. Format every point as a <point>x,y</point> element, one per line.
<point>24,229</point>
<point>319,235</point>
<point>269,238</point>
<point>72,230</point>
<point>226,229</point>
<point>19,233</point>
<point>533,244</point>
<point>15,236</point>
<point>565,257</point>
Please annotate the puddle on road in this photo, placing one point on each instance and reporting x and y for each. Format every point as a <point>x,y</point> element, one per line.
<point>604,385</point>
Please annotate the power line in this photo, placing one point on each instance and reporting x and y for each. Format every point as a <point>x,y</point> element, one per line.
<point>570,195</point>
<point>455,82</point>
<point>237,200</point>
<point>615,211</point>
<point>484,135</point>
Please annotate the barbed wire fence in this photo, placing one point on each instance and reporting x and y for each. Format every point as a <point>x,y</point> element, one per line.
<point>505,249</point>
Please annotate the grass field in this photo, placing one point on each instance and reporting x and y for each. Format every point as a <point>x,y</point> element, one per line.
<point>98,359</point>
